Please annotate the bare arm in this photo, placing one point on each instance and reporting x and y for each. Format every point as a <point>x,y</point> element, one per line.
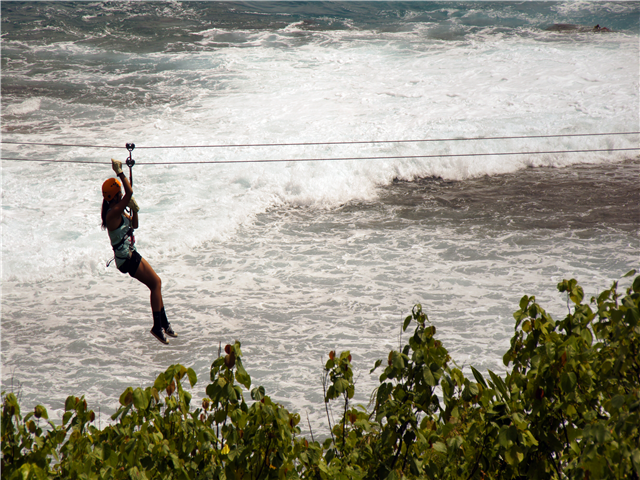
<point>113,217</point>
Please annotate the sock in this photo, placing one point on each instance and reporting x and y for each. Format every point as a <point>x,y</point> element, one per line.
<point>157,319</point>
<point>163,316</point>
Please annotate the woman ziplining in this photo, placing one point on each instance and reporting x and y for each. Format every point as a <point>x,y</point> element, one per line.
<point>120,227</point>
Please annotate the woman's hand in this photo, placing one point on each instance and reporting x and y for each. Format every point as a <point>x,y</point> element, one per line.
<point>117,166</point>
<point>133,205</point>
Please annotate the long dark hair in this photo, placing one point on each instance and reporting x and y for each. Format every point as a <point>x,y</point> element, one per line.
<point>103,213</point>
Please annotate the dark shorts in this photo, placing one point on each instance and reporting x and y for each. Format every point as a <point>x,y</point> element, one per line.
<point>131,264</point>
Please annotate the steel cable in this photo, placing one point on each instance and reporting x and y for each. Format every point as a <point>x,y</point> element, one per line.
<point>356,142</point>
<point>390,157</point>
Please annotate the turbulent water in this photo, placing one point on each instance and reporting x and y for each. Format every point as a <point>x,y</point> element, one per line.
<point>297,258</point>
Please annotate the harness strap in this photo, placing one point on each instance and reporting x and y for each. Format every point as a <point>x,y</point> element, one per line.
<point>115,247</point>
<point>129,234</point>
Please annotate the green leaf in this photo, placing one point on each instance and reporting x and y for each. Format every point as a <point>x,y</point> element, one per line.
<point>599,432</point>
<point>211,391</point>
<point>397,361</point>
<point>67,416</point>
<point>392,476</point>
<point>617,402</point>
<point>503,438</point>
<point>257,393</point>
<point>635,458</point>
<point>238,391</point>
<point>193,378</point>
<point>440,447</point>
<point>331,393</point>
<point>630,273</point>
<point>479,378</point>
<point>514,456</point>
<point>577,294</point>
<point>407,321</point>
<point>529,439</point>
<point>330,455</point>
<point>632,316</point>
<point>587,336</point>
<point>568,382</point>
<point>41,412</point>
<point>29,471</point>
<point>231,393</point>
<point>378,363</point>
<point>242,376</point>
<point>180,371</point>
<point>323,467</point>
<point>415,466</point>
<point>140,399</point>
<point>127,397</point>
<point>70,403</point>
<point>161,383</point>
<point>428,376</point>
<point>499,383</point>
<point>455,442</point>
<point>220,416</point>
<point>519,421</point>
<point>341,385</point>
<point>507,357</point>
<point>473,389</point>
<point>135,474</point>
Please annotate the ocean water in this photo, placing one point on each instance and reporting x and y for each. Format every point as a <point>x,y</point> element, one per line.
<point>299,257</point>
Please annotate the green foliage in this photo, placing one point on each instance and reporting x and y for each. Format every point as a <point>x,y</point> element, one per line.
<point>156,434</point>
<point>568,408</point>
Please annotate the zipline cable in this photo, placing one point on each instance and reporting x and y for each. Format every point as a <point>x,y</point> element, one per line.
<point>390,157</point>
<point>373,142</point>
<point>356,142</point>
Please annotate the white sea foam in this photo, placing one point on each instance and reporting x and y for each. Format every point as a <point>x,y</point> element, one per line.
<point>359,91</point>
<point>28,106</point>
<point>597,8</point>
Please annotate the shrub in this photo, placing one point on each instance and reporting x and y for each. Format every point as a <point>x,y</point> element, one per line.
<point>568,408</point>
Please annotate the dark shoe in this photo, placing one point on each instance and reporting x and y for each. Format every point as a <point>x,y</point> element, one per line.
<point>159,334</point>
<point>169,331</point>
<point>156,331</point>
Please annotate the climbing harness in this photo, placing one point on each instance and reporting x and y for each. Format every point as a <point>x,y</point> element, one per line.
<point>129,235</point>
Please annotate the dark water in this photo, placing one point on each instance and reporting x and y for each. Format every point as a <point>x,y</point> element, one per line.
<point>593,197</point>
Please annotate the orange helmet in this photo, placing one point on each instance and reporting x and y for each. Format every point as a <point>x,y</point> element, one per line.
<point>110,188</point>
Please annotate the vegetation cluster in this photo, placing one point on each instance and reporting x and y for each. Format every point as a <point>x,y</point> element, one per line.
<point>569,407</point>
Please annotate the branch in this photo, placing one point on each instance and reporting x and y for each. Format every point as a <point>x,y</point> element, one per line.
<point>395,458</point>
<point>475,467</point>
<point>310,430</point>
<point>564,427</point>
<point>326,404</point>
<point>266,457</point>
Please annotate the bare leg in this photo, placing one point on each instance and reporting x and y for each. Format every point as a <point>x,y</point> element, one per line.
<point>150,278</point>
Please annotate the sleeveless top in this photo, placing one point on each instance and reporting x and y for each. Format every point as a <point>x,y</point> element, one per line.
<point>120,242</point>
